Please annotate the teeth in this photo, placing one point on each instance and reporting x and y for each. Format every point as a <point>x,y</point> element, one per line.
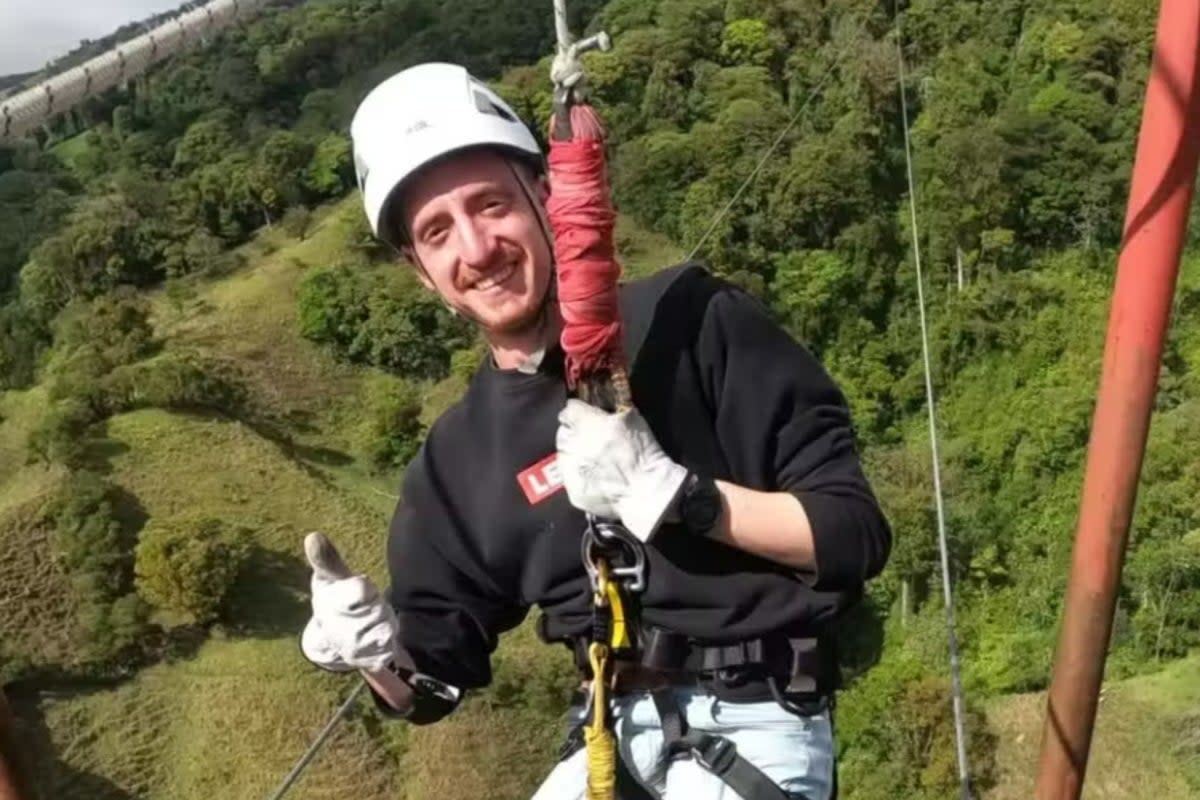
<point>494,280</point>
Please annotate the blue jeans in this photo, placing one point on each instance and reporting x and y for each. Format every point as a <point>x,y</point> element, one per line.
<point>795,752</point>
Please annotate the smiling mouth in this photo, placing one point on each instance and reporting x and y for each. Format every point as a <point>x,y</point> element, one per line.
<point>495,279</point>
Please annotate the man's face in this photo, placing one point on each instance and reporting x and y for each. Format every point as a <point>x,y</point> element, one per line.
<point>478,240</point>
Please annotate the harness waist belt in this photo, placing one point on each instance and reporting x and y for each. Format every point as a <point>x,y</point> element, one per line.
<point>808,666</point>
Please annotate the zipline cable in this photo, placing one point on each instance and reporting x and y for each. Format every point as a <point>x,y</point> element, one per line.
<point>750,178</point>
<point>955,678</point>
<point>294,773</point>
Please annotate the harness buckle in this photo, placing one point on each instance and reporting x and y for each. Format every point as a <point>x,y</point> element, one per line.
<point>715,753</point>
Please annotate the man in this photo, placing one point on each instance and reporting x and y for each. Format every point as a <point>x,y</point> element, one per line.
<point>738,469</point>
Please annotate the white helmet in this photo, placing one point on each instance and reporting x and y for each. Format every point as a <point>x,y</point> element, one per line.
<point>421,114</point>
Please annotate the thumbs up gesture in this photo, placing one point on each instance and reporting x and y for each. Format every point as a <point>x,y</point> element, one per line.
<point>352,625</point>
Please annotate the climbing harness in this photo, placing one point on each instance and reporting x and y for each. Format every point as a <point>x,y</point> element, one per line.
<point>613,635</point>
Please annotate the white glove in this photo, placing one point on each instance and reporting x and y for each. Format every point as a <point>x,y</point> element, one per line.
<point>352,626</point>
<point>612,466</point>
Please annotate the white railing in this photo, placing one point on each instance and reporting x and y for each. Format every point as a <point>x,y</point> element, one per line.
<point>25,110</point>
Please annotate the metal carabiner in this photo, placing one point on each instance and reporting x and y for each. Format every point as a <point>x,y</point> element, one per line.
<point>632,576</point>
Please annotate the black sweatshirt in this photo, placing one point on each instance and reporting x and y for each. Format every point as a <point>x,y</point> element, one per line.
<point>484,530</point>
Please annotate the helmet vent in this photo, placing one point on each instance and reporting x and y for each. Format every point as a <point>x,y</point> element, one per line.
<point>484,104</point>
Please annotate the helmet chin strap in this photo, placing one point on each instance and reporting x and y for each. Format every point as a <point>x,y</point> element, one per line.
<point>551,292</point>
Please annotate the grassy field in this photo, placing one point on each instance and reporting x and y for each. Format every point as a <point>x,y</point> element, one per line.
<point>226,722</point>
<point>1146,744</point>
<point>37,614</point>
<point>250,318</point>
<point>20,482</point>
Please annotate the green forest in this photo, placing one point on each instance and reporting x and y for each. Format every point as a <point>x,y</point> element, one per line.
<point>204,355</point>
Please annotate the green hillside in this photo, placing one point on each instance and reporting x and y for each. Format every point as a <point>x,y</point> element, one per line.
<point>231,714</point>
<point>199,339</point>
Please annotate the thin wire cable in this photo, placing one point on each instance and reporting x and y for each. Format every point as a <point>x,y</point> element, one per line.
<point>956,681</point>
<point>749,178</point>
<point>315,747</point>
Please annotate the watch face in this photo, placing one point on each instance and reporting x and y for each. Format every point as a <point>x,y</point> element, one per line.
<point>702,507</point>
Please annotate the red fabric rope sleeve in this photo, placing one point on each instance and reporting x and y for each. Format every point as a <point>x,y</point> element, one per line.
<point>581,216</point>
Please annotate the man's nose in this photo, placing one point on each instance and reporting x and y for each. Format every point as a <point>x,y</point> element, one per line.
<point>476,244</point>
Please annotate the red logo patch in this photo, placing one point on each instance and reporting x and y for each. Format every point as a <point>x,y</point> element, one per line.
<point>541,480</point>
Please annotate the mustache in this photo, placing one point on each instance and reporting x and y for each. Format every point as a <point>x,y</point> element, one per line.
<point>502,260</point>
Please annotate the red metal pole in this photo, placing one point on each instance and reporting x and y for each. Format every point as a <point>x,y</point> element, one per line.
<point>1160,195</point>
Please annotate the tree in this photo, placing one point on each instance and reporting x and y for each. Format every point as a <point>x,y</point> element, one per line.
<point>747,41</point>
<point>370,319</point>
<point>414,336</point>
<point>390,429</point>
<point>22,340</point>
<point>896,732</point>
<point>651,175</point>
<point>223,197</point>
<point>321,111</point>
<point>331,169</point>
<point>94,338</point>
<point>235,82</point>
<point>109,240</point>
<point>88,537</point>
<point>811,288</point>
<point>32,203</point>
<point>279,171</point>
<point>1164,583</point>
<point>201,251</point>
<point>206,141</point>
<point>187,565</point>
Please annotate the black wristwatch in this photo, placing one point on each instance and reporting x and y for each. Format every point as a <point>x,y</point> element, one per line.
<point>700,505</point>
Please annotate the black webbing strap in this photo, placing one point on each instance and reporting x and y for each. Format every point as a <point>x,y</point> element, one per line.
<point>716,754</point>
<point>803,666</point>
<point>628,786</point>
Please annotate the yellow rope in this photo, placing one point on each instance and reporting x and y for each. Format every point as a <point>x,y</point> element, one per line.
<point>601,744</point>
<point>599,740</point>
<point>620,632</point>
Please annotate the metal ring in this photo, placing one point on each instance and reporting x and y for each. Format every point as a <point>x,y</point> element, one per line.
<point>632,575</point>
